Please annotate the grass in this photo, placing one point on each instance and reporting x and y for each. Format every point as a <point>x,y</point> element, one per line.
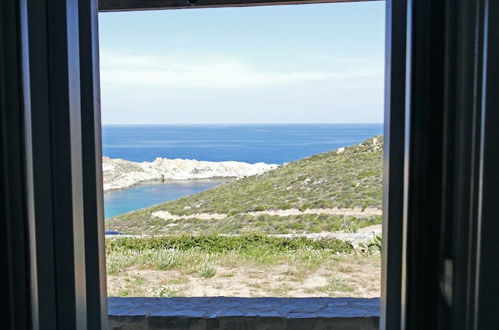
<point>250,271</point>
<point>348,179</point>
<point>337,284</point>
<point>207,272</point>
<point>251,265</point>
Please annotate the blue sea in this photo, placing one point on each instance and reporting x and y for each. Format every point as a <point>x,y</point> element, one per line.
<point>246,143</point>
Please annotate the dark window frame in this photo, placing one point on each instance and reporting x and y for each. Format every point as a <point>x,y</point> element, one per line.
<point>133,5</point>
<point>88,291</point>
<point>394,130</point>
<point>51,221</point>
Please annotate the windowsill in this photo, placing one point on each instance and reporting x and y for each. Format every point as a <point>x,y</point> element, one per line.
<point>244,313</point>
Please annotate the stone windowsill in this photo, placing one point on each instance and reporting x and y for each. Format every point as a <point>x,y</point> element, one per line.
<point>210,313</point>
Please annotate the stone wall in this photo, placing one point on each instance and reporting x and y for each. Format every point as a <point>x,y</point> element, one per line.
<point>219,313</point>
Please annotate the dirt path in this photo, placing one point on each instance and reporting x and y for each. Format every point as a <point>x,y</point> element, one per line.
<point>357,212</point>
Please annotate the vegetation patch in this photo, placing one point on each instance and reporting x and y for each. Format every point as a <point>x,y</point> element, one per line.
<point>245,224</point>
<point>224,244</point>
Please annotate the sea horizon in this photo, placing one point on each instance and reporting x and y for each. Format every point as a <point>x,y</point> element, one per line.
<point>250,143</point>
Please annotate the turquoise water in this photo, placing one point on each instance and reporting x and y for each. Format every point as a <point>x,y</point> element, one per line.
<point>144,195</point>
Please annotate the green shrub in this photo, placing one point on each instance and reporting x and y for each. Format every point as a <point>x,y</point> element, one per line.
<point>372,247</point>
<point>223,244</point>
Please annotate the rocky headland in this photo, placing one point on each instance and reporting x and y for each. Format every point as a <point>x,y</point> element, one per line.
<point>120,173</point>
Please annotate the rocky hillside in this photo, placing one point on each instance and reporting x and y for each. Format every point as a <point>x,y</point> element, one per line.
<point>337,190</point>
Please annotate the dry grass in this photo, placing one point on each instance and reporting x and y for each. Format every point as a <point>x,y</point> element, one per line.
<point>191,273</point>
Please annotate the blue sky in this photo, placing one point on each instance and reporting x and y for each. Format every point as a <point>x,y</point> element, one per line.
<point>278,64</point>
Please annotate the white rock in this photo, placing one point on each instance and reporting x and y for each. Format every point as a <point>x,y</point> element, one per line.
<point>120,173</point>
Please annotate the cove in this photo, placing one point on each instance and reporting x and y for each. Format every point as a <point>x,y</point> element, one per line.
<point>117,202</point>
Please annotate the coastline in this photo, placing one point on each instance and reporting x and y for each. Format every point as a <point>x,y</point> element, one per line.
<point>121,174</point>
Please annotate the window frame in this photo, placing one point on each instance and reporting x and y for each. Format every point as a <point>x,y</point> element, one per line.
<point>394,129</point>
<point>133,5</point>
<point>77,83</point>
<point>437,68</point>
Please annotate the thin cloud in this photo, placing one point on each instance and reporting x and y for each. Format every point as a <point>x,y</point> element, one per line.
<point>213,71</point>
